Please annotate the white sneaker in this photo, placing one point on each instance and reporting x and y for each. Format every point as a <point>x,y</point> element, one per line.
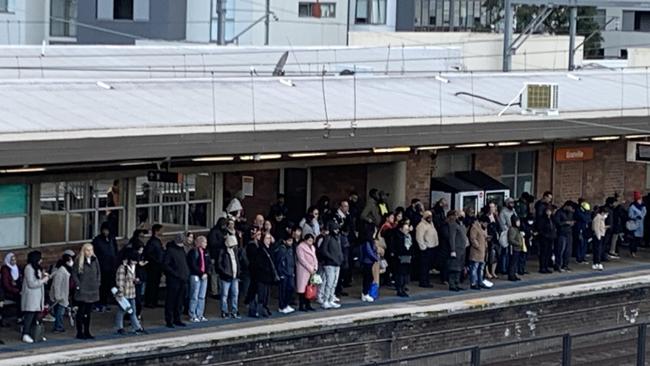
<point>600,267</point>
<point>194,320</point>
<point>283,311</point>
<point>367,298</point>
<point>27,339</point>
<point>326,305</point>
<point>594,267</point>
<point>335,305</point>
<point>336,299</point>
<point>203,319</point>
<point>291,310</point>
<point>43,339</point>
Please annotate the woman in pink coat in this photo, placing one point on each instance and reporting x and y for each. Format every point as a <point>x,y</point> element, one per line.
<point>307,265</point>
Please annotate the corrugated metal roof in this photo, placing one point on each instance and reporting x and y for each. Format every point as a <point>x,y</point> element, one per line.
<point>71,105</point>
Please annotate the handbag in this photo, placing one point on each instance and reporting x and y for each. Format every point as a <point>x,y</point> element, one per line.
<point>38,332</point>
<point>315,279</point>
<point>311,292</point>
<point>503,239</point>
<point>631,225</point>
<point>374,290</point>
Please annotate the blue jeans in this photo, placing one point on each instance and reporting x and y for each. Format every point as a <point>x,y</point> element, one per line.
<point>561,251</point>
<point>582,246</point>
<point>119,317</point>
<point>59,312</point>
<point>504,260</point>
<point>198,288</point>
<point>476,273</point>
<point>229,289</point>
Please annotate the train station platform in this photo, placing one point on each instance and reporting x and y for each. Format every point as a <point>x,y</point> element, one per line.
<point>510,309</point>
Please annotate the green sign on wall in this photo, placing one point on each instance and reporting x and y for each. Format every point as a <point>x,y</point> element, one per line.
<point>13,199</point>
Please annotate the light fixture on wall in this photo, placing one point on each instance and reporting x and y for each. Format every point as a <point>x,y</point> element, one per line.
<point>470,146</point>
<point>428,148</point>
<point>605,138</point>
<point>22,170</point>
<point>534,142</point>
<point>353,152</point>
<point>385,150</point>
<point>135,163</point>
<point>215,158</point>
<point>630,137</point>
<point>508,143</point>
<point>258,157</point>
<point>307,154</point>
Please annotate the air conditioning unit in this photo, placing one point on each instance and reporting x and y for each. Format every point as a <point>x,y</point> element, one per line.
<point>638,152</point>
<point>540,98</point>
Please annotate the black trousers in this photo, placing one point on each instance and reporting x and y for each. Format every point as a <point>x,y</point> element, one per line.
<point>152,290</point>
<point>454,279</point>
<point>545,252</point>
<point>30,319</point>
<point>285,291</point>
<point>138,299</point>
<point>402,276</point>
<point>263,294</point>
<point>426,263</point>
<point>106,284</point>
<point>367,278</point>
<point>513,265</point>
<point>83,318</point>
<point>175,296</point>
<point>303,303</point>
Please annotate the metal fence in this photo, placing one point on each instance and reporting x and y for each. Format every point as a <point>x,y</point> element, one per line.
<point>472,355</point>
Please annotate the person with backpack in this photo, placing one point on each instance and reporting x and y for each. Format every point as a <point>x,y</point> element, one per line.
<point>125,281</point>
<point>33,297</point>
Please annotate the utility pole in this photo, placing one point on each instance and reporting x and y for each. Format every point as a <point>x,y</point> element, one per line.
<point>267,22</point>
<point>507,36</point>
<point>221,23</point>
<point>573,29</point>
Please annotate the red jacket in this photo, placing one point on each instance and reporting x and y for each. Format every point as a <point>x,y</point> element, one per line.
<point>11,288</point>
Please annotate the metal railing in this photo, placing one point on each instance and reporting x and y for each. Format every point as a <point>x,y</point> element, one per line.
<point>566,351</point>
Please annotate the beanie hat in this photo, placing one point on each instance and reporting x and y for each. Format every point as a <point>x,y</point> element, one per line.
<point>637,195</point>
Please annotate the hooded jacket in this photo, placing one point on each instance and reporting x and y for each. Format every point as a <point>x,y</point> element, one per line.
<point>175,263</point>
<point>330,252</point>
<point>106,250</point>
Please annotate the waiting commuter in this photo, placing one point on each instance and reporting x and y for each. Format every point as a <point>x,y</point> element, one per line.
<point>153,253</point>
<point>87,276</point>
<point>264,275</point>
<point>199,263</point>
<point>285,264</point>
<point>478,239</point>
<point>105,248</point>
<point>177,275</point>
<point>427,239</point>
<point>125,281</point>
<point>516,246</point>
<point>33,296</point>
<point>12,279</point>
<point>494,247</point>
<point>457,241</point>
<point>581,228</point>
<point>229,268</point>
<point>547,233</point>
<point>564,221</point>
<point>369,259</point>
<point>599,228</point>
<point>403,249</point>
<point>60,291</point>
<point>330,255</point>
<point>306,266</point>
<point>636,217</point>
<point>310,224</point>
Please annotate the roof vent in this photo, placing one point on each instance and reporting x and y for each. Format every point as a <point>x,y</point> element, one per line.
<point>540,98</point>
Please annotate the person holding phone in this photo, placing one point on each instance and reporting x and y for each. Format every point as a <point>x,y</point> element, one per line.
<point>33,295</point>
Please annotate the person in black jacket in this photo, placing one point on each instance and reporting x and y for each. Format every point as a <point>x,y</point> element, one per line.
<point>402,246</point>
<point>199,264</point>
<point>458,241</point>
<point>330,254</point>
<point>177,275</point>
<point>564,222</point>
<point>264,275</point>
<point>285,263</point>
<point>216,241</point>
<point>229,269</point>
<point>105,247</point>
<point>153,254</point>
<point>547,233</point>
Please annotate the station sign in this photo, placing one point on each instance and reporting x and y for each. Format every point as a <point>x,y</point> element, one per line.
<point>165,177</point>
<point>574,154</point>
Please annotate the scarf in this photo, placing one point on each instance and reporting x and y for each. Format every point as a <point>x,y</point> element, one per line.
<point>15,273</point>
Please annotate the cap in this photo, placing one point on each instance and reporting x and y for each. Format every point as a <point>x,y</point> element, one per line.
<point>427,214</point>
<point>69,252</point>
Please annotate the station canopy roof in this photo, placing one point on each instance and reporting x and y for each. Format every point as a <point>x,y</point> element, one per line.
<point>53,121</point>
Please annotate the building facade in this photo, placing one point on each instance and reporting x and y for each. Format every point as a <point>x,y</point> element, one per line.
<point>627,28</point>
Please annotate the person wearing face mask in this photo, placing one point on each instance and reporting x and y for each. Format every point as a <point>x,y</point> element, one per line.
<point>600,229</point>
<point>60,290</point>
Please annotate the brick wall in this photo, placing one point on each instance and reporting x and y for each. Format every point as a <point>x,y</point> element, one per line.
<point>402,336</point>
<point>543,181</point>
<point>419,169</point>
<point>337,182</point>
<point>265,190</point>
<point>489,161</point>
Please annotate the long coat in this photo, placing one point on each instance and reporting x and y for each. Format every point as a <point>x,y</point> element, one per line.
<point>478,241</point>
<point>637,213</point>
<point>33,293</point>
<point>87,281</point>
<point>457,244</point>
<point>305,266</point>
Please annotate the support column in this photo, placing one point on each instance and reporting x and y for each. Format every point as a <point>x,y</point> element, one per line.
<point>221,23</point>
<point>507,35</point>
<point>218,208</point>
<point>34,217</point>
<point>130,211</point>
<point>573,28</point>
<point>267,22</point>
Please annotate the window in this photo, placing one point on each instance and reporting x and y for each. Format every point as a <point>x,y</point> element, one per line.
<point>642,21</point>
<point>178,206</point>
<point>13,215</point>
<point>4,6</point>
<point>518,172</point>
<point>370,12</point>
<point>450,163</point>
<point>317,10</point>
<point>75,211</point>
<point>67,11</point>
<point>137,10</point>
